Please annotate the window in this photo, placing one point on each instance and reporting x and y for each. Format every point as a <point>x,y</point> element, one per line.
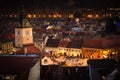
<point>27,32</point>
<point>18,32</point>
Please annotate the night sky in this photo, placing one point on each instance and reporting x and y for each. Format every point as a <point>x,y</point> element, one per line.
<point>60,3</point>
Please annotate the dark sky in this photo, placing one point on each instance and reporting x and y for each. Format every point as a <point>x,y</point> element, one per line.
<point>59,3</point>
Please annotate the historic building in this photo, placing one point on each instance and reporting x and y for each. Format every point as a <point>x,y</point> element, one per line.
<point>7,44</point>
<point>70,47</point>
<point>65,47</point>
<point>7,47</point>
<point>39,43</point>
<point>100,48</point>
<point>52,46</point>
<point>24,36</point>
<point>23,32</point>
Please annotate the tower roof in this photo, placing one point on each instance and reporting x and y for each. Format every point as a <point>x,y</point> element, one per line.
<point>23,22</point>
<point>30,49</point>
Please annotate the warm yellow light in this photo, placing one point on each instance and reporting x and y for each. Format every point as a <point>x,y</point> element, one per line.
<point>54,16</point>
<point>11,15</point>
<point>39,15</point>
<point>29,15</point>
<point>96,15</point>
<point>105,52</point>
<point>77,20</point>
<point>34,16</point>
<point>90,16</point>
<point>74,54</point>
<point>49,15</point>
<point>71,16</point>
<point>60,16</point>
<point>63,51</point>
<point>44,15</point>
<point>113,52</point>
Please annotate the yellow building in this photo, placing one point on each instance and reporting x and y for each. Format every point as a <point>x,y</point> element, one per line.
<point>64,47</point>
<point>101,48</point>
<point>70,47</point>
<point>7,47</point>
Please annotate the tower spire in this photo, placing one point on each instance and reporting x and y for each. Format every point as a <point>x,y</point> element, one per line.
<point>23,22</point>
<point>22,15</point>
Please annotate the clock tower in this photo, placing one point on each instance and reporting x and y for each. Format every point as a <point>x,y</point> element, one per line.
<point>23,32</point>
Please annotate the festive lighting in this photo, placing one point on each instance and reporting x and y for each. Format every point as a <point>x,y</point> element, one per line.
<point>49,16</point>
<point>96,15</point>
<point>34,16</point>
<point>90,16</point>
<point>71,16</point>
<point>77,20</point>
<point>59,15</point>
<point>29,16</point>
<point>54,15</point>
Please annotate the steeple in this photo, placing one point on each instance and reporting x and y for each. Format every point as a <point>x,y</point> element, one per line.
<point>23,32</point>
<point>22,15</point>
<point>23,22</point>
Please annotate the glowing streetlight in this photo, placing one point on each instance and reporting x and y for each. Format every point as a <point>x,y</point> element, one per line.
<point>71,16</point>
<point>34,16</point>
<point>54,15</point>
<point>89,15</point>
<point>29,16</point>
<point>96,15</point>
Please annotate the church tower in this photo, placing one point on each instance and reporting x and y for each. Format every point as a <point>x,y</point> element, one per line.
<point>23,32</point>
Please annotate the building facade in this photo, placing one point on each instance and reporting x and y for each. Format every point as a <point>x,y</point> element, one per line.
<point>23,32</point>
<point>100,48</point>
<point>7,48</point>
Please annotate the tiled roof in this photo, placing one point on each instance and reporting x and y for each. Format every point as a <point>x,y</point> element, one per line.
<point>101,43</point>
<point>76,43</point>
<point>73,43</point>
<point>52,42</point>
<point>16,64</point>
<point>64,43</point>
<point>30,49</point>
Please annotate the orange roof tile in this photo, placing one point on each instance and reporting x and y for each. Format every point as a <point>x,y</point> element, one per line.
<point>17,64</point>
<point>101,43</point>
<point>31,49</point>
<point>52,42</point>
